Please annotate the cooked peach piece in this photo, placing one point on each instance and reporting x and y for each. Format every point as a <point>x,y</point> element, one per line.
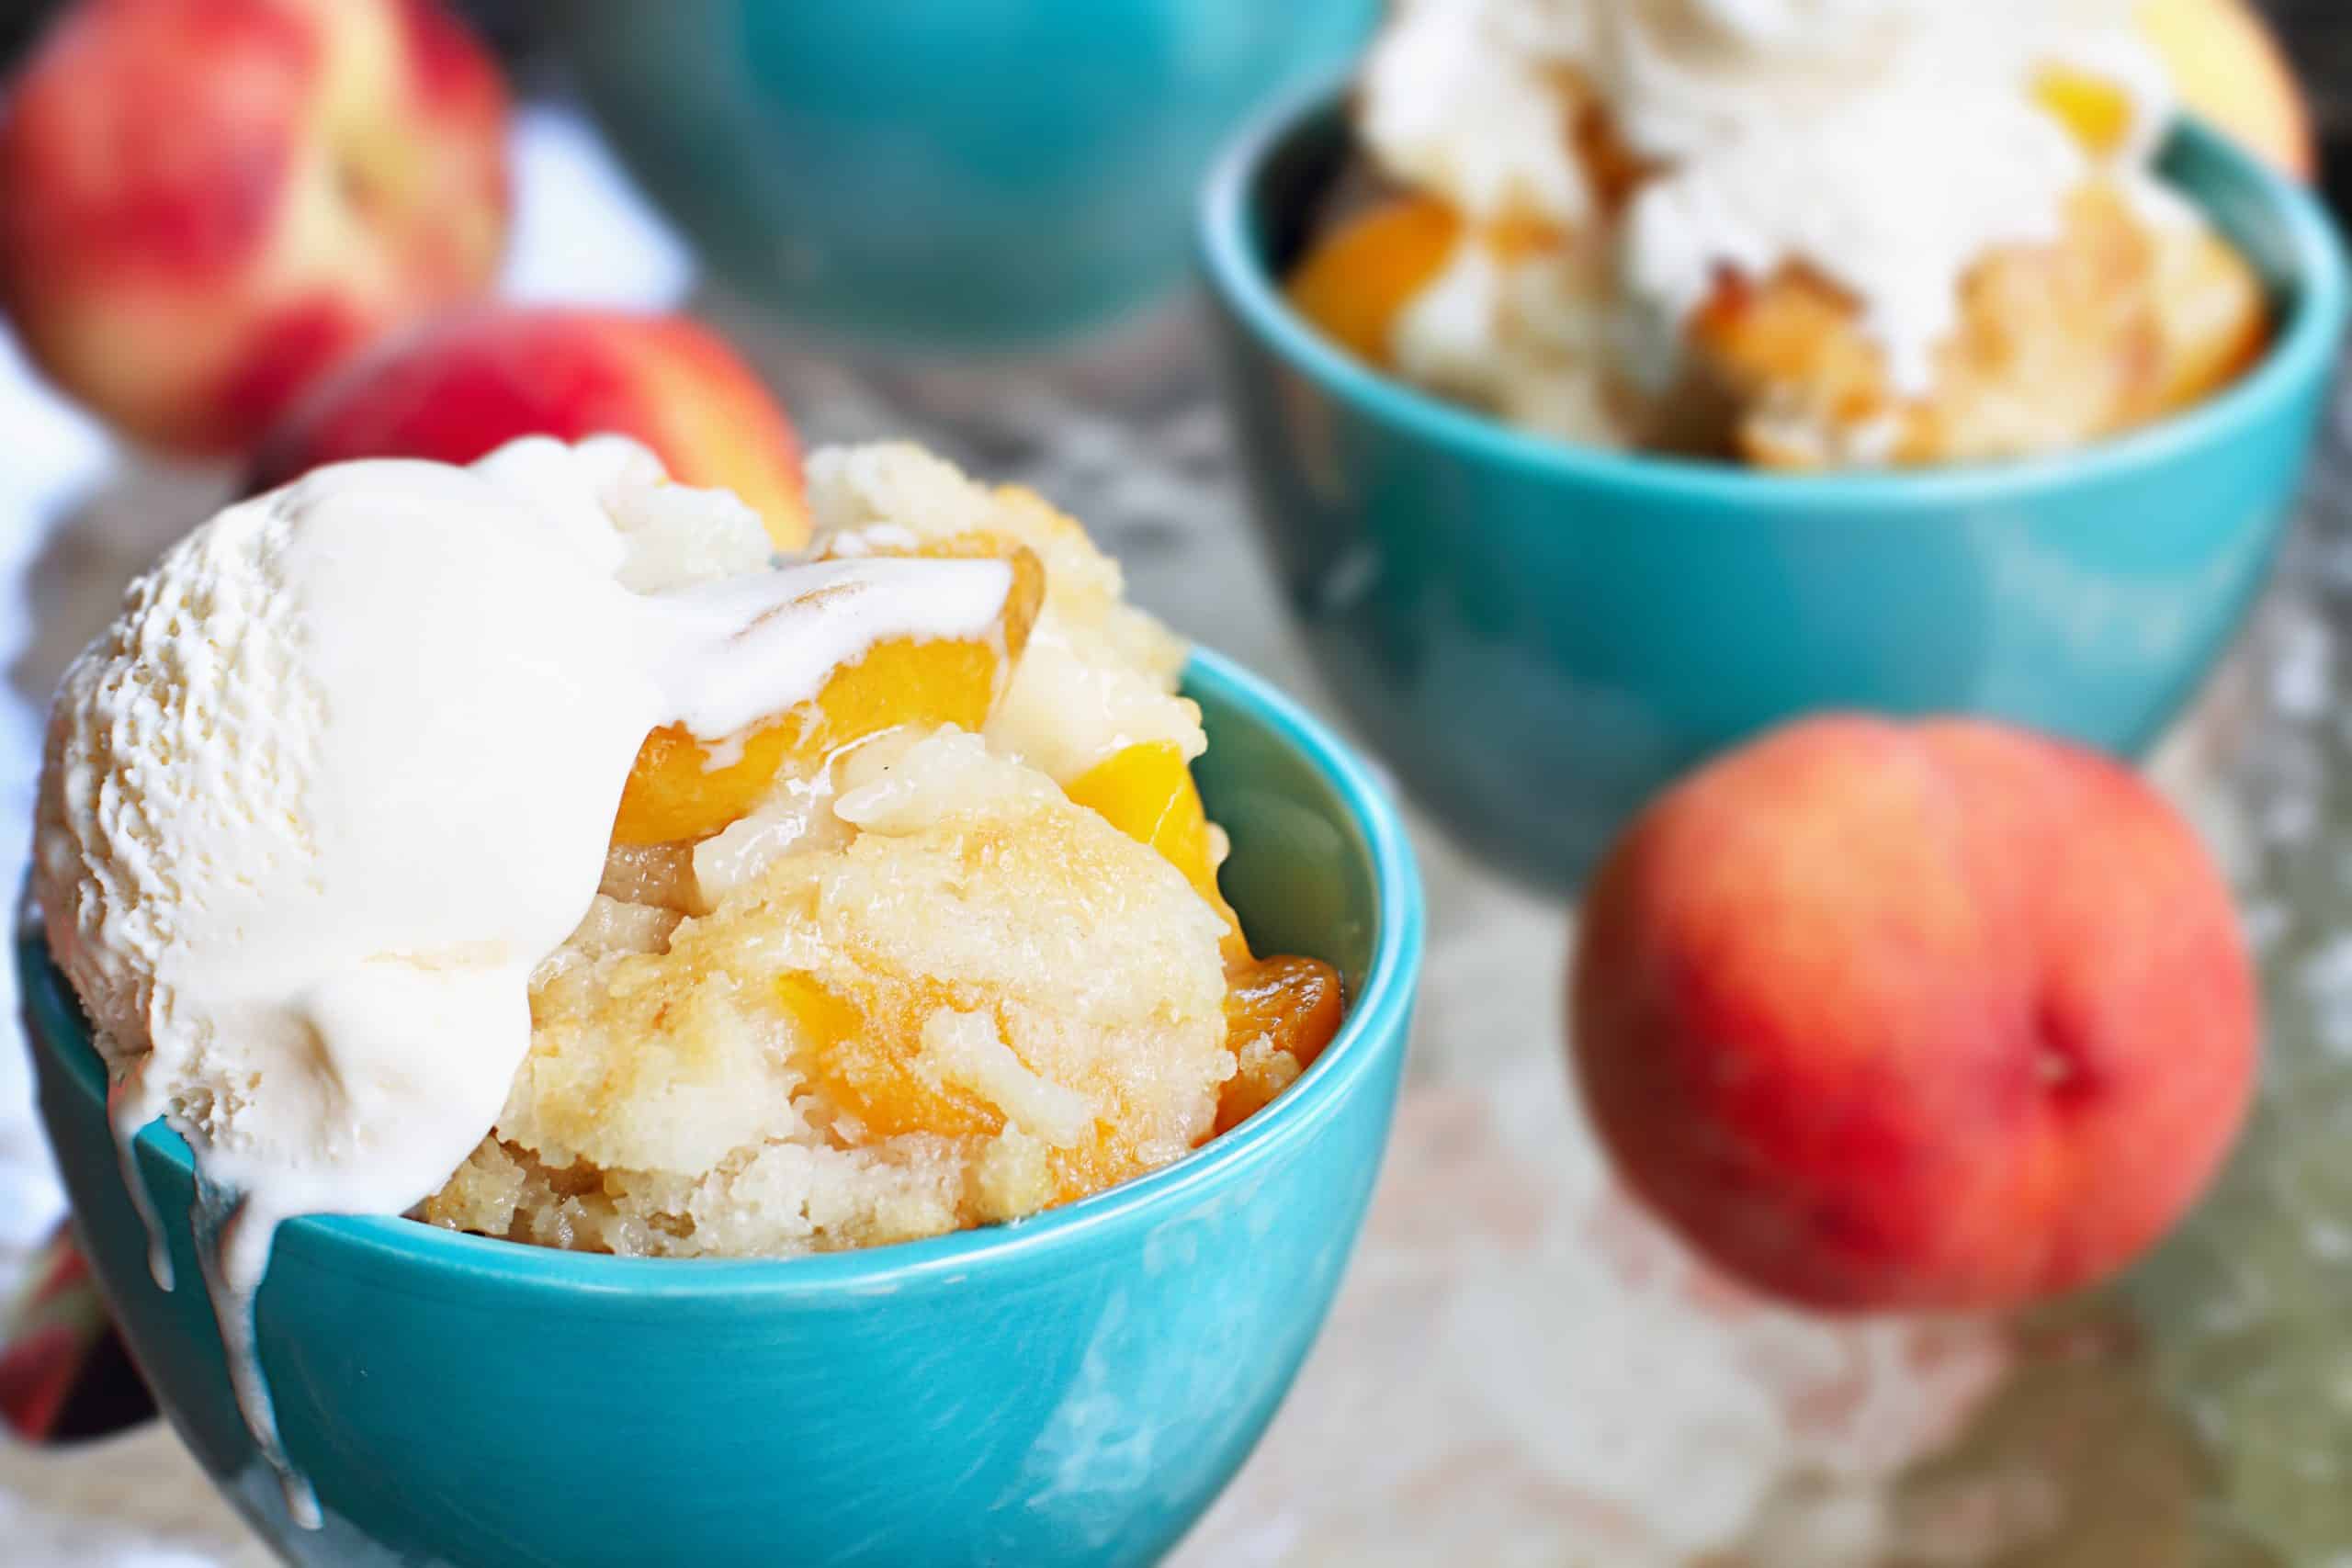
<point>871,1059</point>
<point>2098,112</point>
<point>679,790</point>
<point>1279,1011</point>
<point>1279,1014</point>
<point>868,1057</point>
<point>865,1059</point>
<point>1359,277</point>
<point>1148,793</point>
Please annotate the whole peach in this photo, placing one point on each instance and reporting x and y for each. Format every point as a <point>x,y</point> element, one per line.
<point>1933,1016</point>
<point>458,388</point>
<point>208,202</point>
<point>2228,65</point>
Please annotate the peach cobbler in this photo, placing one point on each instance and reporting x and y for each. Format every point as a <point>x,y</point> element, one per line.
<point>942,946</point>
<point>527,848</point>
<point>1791,233</point>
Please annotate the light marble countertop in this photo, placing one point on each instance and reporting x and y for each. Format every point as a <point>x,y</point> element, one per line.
<point>1522,1367</point>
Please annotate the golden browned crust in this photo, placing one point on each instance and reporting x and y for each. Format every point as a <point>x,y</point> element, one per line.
<point>2123,319</point>
<point>987,1001</point>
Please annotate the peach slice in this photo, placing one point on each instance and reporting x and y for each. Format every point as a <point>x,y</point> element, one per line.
<point>1148,793</point>
<point>866,1058</point>
<point>1357,278</point>
<point>680,790</point>
<point>2095,112</point>
<point>1279,1014</point>
<point>863,1054</point>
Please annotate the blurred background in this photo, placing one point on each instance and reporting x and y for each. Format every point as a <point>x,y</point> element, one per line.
<point>2318,34</point>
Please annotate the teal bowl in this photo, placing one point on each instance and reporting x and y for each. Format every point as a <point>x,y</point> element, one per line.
<point>1072,1389</point>
<point>941,175</point>
<point>1537,636</point>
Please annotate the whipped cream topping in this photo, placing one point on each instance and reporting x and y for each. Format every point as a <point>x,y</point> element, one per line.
<point>344,769</point>
<point>1978,172</point>
<point>1464,98</point>
<point>1683,78</point>
<point>1887,145</point>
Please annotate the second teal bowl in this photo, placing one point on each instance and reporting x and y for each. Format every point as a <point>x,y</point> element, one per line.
<point>942,175</point>
<point>1538,636</point>
<point>1067,1391</point>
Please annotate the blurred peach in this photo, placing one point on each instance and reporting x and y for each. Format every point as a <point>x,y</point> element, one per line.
<point>1935,1017</point>
<point>209,202</point>
<point>459,387</point>
<point>2230,69</point>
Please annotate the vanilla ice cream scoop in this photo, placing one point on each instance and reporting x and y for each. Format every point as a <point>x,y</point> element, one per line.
<point>344,769</point>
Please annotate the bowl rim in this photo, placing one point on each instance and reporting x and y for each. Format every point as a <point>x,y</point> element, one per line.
<point>2302,354</point>
<point>1373,1030</point>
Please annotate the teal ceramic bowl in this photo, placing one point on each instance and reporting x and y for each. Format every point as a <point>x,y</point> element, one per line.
<point>941,174</point>
<point>1537,636</point>
<point>1072,1389</point>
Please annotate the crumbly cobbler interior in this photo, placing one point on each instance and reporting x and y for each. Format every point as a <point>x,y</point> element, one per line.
<point>2130,313</point>
<point>942,947</point>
